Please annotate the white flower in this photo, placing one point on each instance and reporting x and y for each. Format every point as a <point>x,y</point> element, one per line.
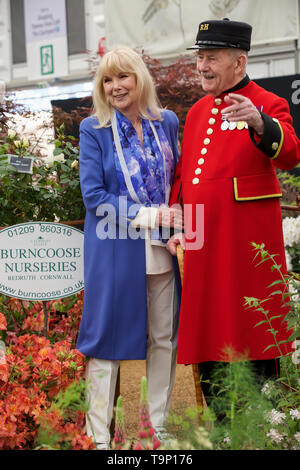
<point>59,158</point>
<point>267,389</point>
<point>288,259</point>
<point>74,164</point>
<point>295,414</point>
<point>275,436</point>
<point>297,436</point>
<point>17,143</point>
<point>275,417</point>
<point>48,161</point>
<point>25,142</point>
<point>294,288</point>
<point>291,230</point>
<point>11,134</point>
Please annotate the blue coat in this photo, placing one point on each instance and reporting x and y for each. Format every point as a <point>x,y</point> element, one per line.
<point>114,319</point>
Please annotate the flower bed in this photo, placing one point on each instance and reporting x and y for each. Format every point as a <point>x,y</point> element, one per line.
<point>36,371</point>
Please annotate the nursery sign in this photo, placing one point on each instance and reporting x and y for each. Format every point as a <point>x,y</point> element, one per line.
<point>41,261</point>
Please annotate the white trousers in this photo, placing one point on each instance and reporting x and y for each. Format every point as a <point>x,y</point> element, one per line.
<point>101,375</point>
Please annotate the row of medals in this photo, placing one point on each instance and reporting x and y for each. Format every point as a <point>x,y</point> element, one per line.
<point>233,125</point>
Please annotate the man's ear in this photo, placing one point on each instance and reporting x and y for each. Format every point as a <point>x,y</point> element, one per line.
<point>241,62</point>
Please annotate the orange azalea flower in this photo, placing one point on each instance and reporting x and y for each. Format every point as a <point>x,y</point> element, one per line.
<point>36,370</point>
<point>4,373</point>
<point>3,322</point>
<point>34,322</point>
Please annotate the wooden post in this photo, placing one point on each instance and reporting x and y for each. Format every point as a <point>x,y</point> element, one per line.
<point>196,374</point>
<point>45,319</point>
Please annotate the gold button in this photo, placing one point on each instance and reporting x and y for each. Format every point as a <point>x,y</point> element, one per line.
<point>209,131</point>
<point>196,181</point>
<point>275,146</point>
<point>206,141</point>
<point>203,151</point>
<point>198,171</point>
<point>212,121</point>
<point>214,111</point>
<point>200,161</point>
<point>218,101</point>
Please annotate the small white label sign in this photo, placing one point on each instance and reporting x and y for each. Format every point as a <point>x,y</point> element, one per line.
<point>46,38</point>
<point>41,261</point>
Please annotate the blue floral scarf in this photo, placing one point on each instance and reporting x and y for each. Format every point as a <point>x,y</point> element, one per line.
<point>145,174</point>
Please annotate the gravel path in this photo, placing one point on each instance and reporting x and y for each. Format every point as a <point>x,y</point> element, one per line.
<point>131,373</point>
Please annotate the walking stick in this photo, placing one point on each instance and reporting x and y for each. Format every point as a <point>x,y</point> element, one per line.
<point>196,374</point>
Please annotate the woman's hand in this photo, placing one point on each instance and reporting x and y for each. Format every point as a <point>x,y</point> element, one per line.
<point>170,217</point>
<point>177,239</point>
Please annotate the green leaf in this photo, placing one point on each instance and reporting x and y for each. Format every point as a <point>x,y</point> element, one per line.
<point>279,281</point>
<point>284,341</point>
<point>269,347</point>
<point>64,167</point>
<point>275,316</point>
<point>276,292</point>
<point>260,323</point>
<point>276,267</point>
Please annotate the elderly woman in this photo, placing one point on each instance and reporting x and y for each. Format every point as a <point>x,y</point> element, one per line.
<point>128,152</point>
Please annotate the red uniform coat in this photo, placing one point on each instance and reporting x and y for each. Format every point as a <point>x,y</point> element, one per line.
<point>233,176</point>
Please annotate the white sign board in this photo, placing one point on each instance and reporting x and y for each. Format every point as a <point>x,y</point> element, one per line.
<point>46,38</point>
<point>165,28</point>
<point>41,261</point>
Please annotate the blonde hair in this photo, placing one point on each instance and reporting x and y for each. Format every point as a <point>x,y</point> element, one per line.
<point>123,59</point>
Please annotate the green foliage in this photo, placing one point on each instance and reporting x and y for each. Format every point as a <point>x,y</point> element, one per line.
<point>288,288</point>
<point>120,412</point>
<point>144,390</point>
<point>253,416</point>
<point>189,434</point>
<point>238,399</point>
<point>71,399</point>
<point>56,431</point>
<point>292,180</point>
